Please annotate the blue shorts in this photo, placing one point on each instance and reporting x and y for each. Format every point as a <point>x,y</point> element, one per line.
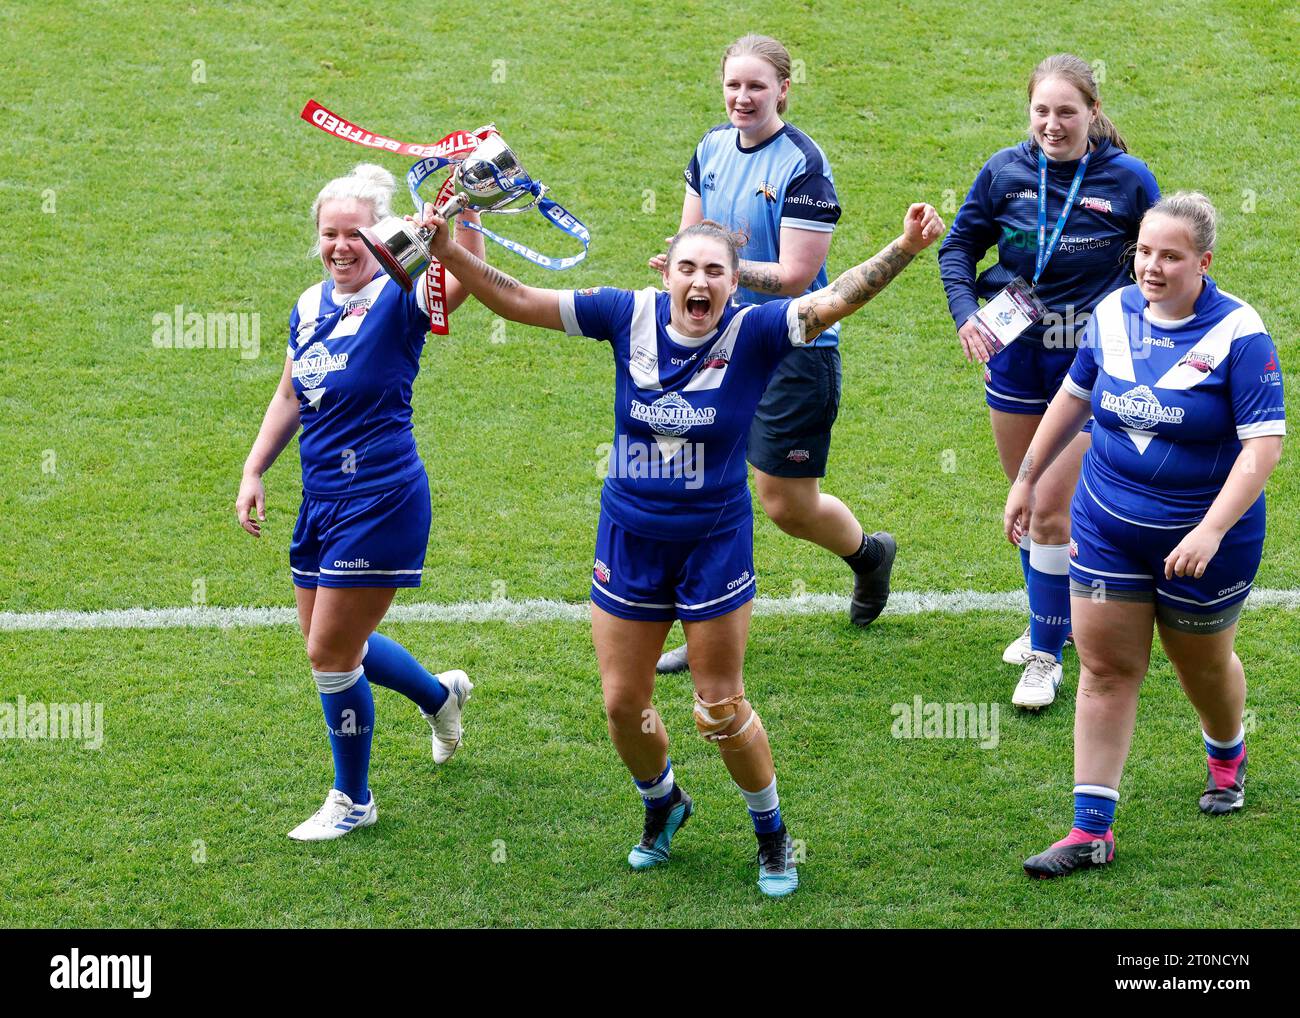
<point>790,435</point>
<point>1023,378</point>
<point>1125,561</point>
<point>649,580</point>
<point>375,540</point>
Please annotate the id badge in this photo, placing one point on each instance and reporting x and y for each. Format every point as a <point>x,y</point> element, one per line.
<point>1009,313</point>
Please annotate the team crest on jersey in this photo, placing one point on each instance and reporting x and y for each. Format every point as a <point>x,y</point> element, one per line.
<point>312,367</point>
<point>1096,204</point>
<point>1140,408</point>
<point>671,414</point>
<point>716,361</point>
<point>601,571</point>
<point>1200,360</point>
<point>711,179</point>
<point>767,191</point>
<point>357,307</point>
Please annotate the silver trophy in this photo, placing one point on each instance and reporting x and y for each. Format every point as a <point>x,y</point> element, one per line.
<point>489,179</point>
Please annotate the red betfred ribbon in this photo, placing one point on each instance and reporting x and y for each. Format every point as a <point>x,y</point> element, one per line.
<point>453,146</point>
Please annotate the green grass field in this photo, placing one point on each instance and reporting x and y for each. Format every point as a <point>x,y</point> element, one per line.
<point>153,157</point>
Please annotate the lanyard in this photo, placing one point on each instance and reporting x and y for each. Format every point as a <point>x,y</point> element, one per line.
<point>1046,248</point>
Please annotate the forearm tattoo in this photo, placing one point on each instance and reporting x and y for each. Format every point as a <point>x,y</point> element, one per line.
<point>1026,466</point>
<point>860,284</point>
<point>819,311</point>
<point>497,278</point>
<point>761,277</point>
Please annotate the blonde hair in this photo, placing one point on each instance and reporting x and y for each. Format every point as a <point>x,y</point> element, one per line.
<point>368,183</point>
<point>1077,72</point>
<point>765,48</point>
<point>1195,211</point>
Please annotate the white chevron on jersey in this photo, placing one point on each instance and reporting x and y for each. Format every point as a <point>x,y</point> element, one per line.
<point>1212,349</point>
<point>1112,338</point>
<point>347,324</point>
<point>308,313</point>
<point>644,351</point>
<point>707,377</point>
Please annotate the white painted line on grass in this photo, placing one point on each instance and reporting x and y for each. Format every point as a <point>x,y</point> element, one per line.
<point>901,602</point>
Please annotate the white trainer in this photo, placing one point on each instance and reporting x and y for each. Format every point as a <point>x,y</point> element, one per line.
<point>1021,647</point>
<point>1018,649</point>
<point>333,820</point>
<point>672,661</point>
<point>447,729</point>
<point>1039,682</point>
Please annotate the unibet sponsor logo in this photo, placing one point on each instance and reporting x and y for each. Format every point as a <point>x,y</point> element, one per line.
<point>312,367</point>
<point>1139,408</point>
<point>670,414</point>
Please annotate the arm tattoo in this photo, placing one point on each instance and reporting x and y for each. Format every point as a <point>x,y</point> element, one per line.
<point>761,277</point>
<point>1026,466</point>
<point>819,311</point>
<point>860,284</point>
<point>498,278</point>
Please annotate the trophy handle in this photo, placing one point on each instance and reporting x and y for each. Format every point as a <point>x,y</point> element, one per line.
<point>453,206</point>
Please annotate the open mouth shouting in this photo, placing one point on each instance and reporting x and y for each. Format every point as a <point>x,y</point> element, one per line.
<point>698,308</point>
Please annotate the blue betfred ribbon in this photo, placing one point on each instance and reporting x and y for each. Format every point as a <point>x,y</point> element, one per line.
<point>1046,248</point>
<point>556,214</point>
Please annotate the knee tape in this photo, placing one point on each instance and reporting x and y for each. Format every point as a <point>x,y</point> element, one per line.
<point>713,719</point>
<point>336,682</point>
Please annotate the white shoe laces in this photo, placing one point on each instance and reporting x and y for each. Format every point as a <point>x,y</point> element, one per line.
<point>1039,673</point>
<point>334,810</point>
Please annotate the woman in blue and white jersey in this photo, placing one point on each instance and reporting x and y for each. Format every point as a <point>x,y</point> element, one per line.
<point>761,176</point>
<point>1078,151</point>
<point>675,537</point>
<point>354,350</point>
<point>1167,524</point>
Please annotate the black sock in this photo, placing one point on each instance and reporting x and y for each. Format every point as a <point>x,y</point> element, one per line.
<point>868,556</point>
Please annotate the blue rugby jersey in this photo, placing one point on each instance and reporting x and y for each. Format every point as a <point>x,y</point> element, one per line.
<point>1002,209</point>
<point>1172,403</point>
<point>355,359</point>
<point>784,181</point>
<point>682,407</point>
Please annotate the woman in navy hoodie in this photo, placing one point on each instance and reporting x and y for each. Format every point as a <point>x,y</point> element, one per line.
<point>1073,249</point>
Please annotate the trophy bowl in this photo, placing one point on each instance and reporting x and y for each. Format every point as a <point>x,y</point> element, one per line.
<point>489,179</point>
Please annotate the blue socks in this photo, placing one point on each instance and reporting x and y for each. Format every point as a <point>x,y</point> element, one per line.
<point>764,808</point>
<point>350,717</point>
<point>660,792</point>
<point>1048,577</point>
<point>389,664</point>
<point>1225,750</point>
<point>1094,808</point>
<point>1025,545</point>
